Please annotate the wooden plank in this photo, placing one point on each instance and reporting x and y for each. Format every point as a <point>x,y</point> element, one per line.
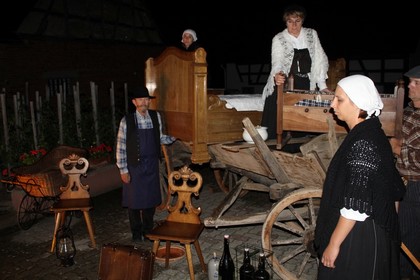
<point>244,159</point>
<point>302,170</point>
<point>235,147</point>
<point>280,105</point>
<point>410,255</point>
<point>256,218</point>
<point>266,153</point>
<point>229,199</point>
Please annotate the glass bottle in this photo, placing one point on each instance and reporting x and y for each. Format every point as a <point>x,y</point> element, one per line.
<point>226,265</point>
<point>213,267</point>
<point>246,271</point>
<point>261,273</point>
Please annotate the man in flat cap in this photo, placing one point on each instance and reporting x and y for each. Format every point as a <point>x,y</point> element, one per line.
<point>138,153</point>
<point>407,151</point>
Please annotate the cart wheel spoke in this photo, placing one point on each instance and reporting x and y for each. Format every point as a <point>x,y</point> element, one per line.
<point>287,241</point>
<point>291,227</point>
<point>288,232</point>
<point>293,253</point>
<point>27,212</point>
<point>298,217</point>
<point>304,262</point>
<point>45,205</point>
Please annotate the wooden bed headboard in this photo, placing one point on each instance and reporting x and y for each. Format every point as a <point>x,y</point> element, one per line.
<point>178,80</point>
<point>192,112</point>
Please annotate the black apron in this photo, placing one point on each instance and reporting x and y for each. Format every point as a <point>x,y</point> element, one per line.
<point>143,191</point>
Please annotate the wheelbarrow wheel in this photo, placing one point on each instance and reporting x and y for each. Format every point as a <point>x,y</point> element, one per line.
<point>28,211</point>
<point>288,233</point>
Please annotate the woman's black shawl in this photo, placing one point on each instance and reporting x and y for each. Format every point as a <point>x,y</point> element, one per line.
<point>361,176</point>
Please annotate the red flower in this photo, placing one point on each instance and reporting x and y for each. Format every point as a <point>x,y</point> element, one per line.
<point>7,173</point>
<point>32,156</point>
<point>99,151</point>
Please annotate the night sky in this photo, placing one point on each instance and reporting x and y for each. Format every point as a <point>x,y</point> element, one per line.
<point>242,31</point>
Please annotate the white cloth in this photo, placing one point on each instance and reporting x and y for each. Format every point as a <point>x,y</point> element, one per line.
<point>299,42</point>
<point>353,215</point>
<point>243,102</point>
<point>362,92</point>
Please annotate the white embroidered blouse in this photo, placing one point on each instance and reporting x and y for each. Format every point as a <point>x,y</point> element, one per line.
<point>282,52</point>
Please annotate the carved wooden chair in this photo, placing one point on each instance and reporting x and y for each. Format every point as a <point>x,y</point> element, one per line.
<point>75,196</point>
<point>183,224</point>
<point>171,162</point>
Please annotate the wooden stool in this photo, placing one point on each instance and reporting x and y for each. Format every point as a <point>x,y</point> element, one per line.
<point>74,196</point>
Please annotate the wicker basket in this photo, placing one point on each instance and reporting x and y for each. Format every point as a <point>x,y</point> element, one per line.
<point>44,178</point>
<point>46,184</point>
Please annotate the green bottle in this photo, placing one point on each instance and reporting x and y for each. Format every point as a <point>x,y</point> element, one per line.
<point>226,265</point>
<point>261,273</point>
<point>246,271</point>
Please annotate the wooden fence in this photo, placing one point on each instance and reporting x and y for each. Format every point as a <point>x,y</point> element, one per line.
<point>59,117</point>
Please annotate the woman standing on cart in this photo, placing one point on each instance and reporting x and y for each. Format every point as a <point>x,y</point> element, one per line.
<point>357,232</point>
<point>296,50</point>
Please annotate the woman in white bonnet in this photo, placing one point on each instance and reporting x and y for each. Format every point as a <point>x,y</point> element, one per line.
<point>189,40</point>
<point>357,232</point>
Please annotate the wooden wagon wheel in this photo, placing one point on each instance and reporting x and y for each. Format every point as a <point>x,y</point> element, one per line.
<point>225,179</point>
<point>288,232</point>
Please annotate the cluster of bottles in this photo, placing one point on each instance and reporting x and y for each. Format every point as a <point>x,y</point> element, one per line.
<point>224,269</point>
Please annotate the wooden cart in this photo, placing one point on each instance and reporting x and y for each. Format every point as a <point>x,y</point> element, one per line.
<point>293,181</point>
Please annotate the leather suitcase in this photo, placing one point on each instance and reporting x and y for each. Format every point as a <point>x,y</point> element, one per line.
<point>125,262</point>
